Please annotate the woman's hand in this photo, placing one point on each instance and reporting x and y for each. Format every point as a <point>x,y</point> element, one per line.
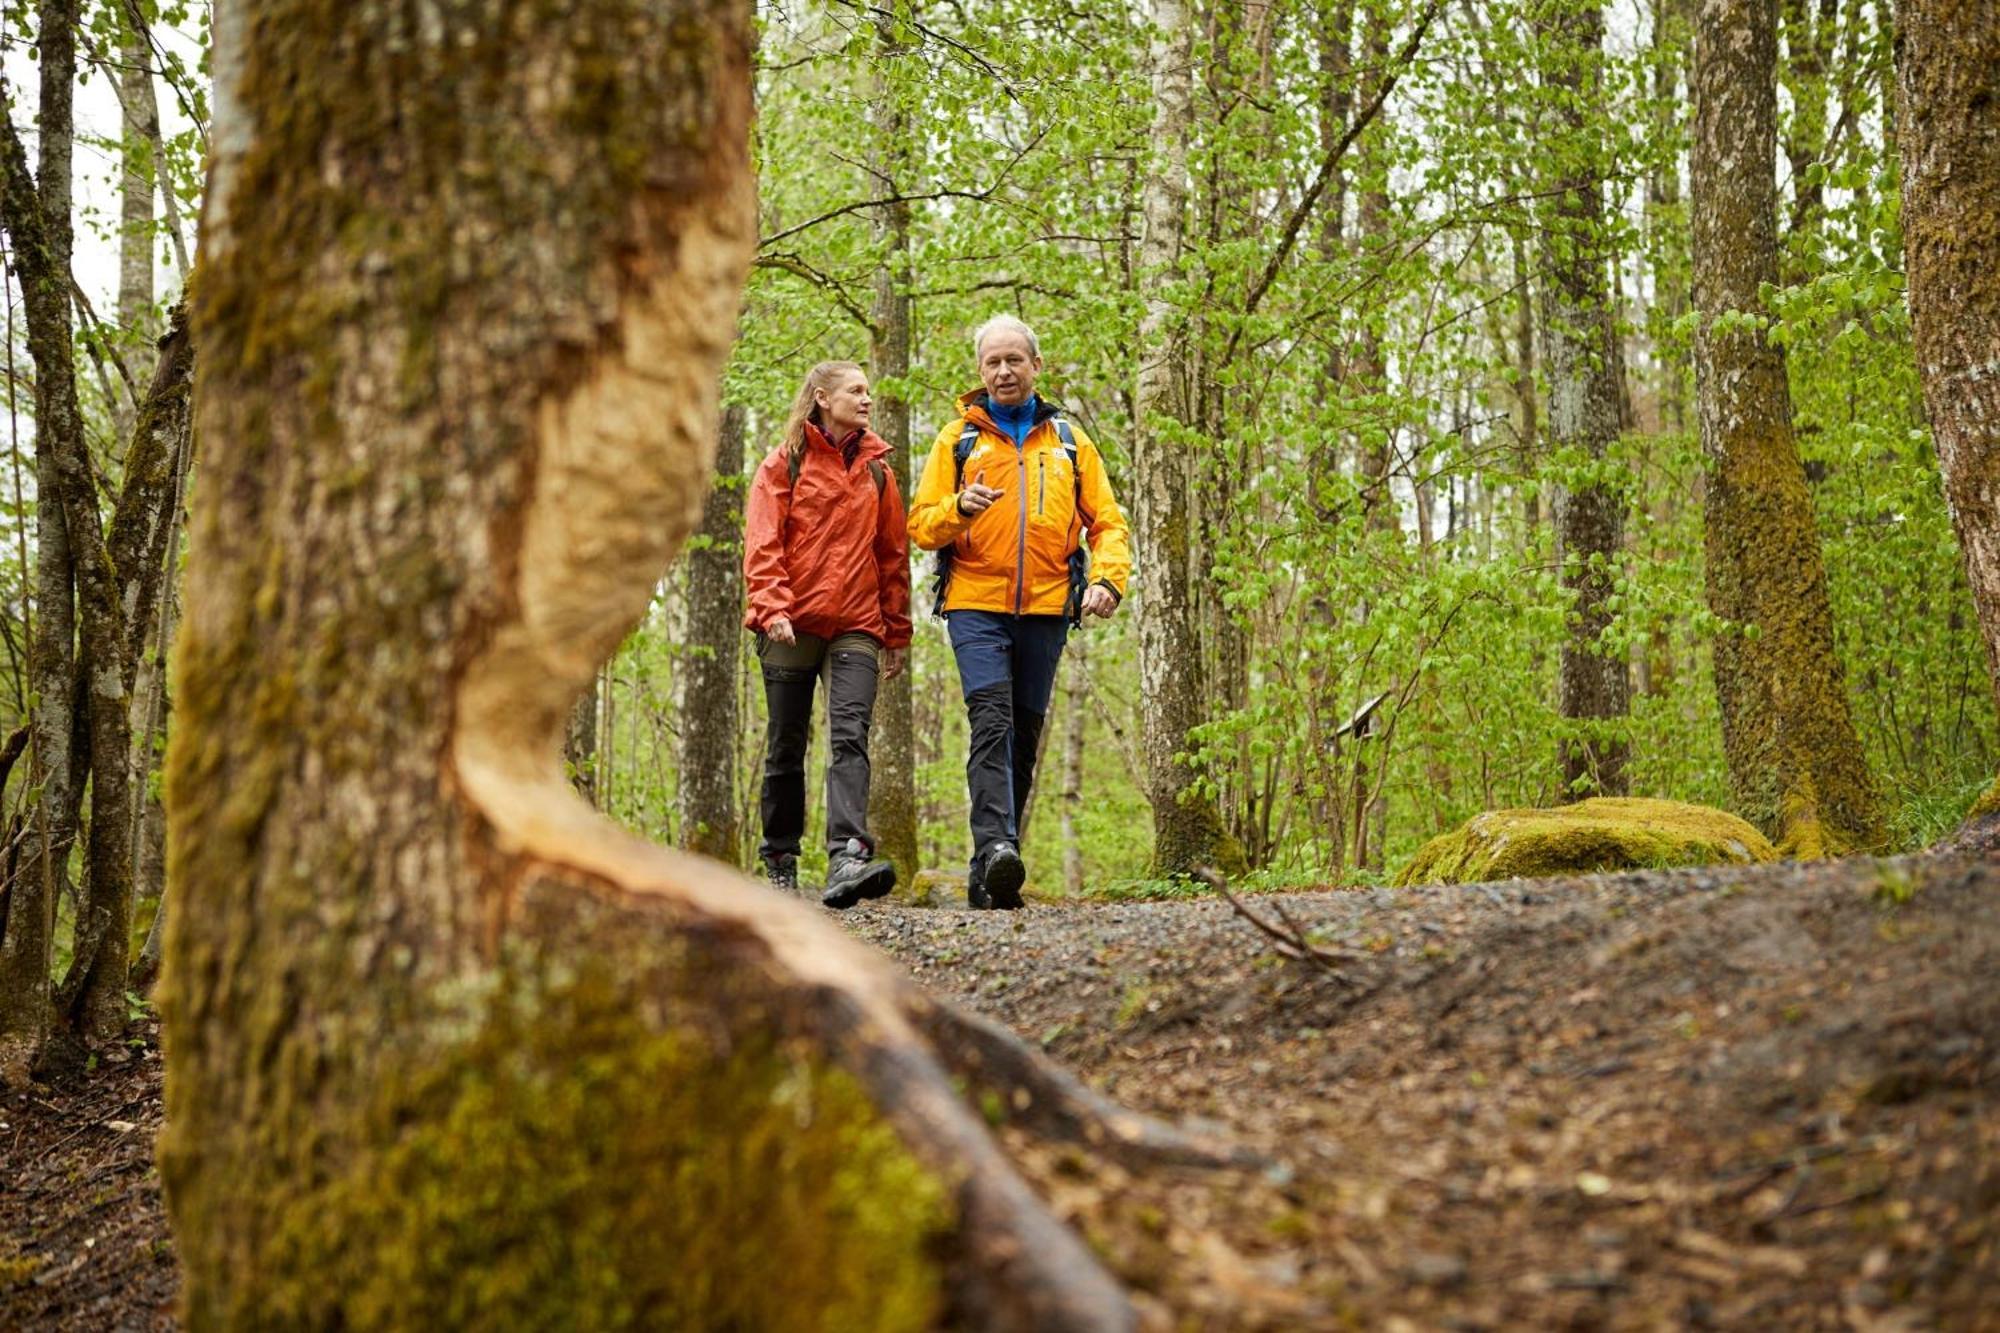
<point>780,631</point>
<point>893,661</point>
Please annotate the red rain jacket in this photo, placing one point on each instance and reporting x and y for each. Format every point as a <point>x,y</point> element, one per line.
<point>832,552</point>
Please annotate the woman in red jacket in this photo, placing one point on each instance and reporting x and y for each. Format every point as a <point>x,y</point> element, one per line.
<point>826,560</point>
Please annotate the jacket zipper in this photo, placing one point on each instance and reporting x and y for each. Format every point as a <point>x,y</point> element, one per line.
<point>1021,552</point>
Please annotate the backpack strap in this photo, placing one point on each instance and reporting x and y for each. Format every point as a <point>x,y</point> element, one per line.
<point>967,439</point>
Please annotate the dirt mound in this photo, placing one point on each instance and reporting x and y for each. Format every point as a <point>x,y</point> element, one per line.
<point>1604,833</point>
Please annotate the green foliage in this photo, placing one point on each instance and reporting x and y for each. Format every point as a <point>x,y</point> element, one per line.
<point>1023,156</point>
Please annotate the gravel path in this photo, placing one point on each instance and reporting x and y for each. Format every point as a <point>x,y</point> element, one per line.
<point>1729,1098</point>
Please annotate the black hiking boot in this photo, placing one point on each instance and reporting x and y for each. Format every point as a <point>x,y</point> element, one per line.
<point>783,872</point>
<point>975,888</point>
<point>1004,875</point>
<point>854,874</point>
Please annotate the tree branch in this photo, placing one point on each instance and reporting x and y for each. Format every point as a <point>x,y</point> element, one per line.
<point>799,268</point>
<point>976,196</point>
<point>1289,234</point>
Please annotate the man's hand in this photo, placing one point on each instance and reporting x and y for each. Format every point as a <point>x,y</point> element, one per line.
<point>976,498</point>
<point>1099,600</point>
<point>892,662</point>
<point>780,631</point>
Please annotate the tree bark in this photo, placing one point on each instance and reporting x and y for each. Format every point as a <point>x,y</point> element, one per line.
<point>139,114</point>
<point>715,638</point>
<point>1948,92</point>
<point>1795,763</point>
<point>1076,721</point>
<point>41,261</point>
<point>1187,829</point>
<point>444,1045</point>
<point>1580,354</point>
<point>892,796</point>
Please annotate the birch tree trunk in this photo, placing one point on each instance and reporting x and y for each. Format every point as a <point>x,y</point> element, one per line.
<point>1187,829</point>
<point>715,636</point>
<point>1948,93</point>
<point>1795,764</point>
<point>1580,354</point>
<point>892,795</point>
<point>444,1046</point>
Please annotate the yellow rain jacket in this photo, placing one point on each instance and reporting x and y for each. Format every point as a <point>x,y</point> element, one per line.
<point>1014,556</point>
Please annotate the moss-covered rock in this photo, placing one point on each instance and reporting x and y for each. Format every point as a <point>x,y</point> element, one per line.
<point>1608,833</point>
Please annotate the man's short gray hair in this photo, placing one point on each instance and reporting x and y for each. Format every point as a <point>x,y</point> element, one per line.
<point>1005,324</point>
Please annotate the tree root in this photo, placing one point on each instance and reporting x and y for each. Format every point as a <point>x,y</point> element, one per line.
<point>1051,1102</point>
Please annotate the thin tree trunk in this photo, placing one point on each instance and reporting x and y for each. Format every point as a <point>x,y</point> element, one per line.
<point>41,259</point>
<point>146,111</point>
<point>892,797</point>
<point>715,636</point>
<point>1948,92</point>
<point>1076,720</point>
<point>443,1043</point>
<point>1187,829</point>
<point>140,116</point>
<point>1795,763</point>
<point>580,742</point>
<point>1580,354</point>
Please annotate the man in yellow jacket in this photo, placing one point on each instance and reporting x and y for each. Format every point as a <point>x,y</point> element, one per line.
<point>1009,492</point>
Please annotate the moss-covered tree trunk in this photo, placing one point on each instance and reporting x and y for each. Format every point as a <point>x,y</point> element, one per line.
<point>82,715</point>
<point>1948,121</point>
<point>445,1048</point>
<point>1579,352</point>
<point>892,794</point>
<point>715,638</point>
<point>1187,828</point>
<point>37,861</point>
<point>1795,763</point>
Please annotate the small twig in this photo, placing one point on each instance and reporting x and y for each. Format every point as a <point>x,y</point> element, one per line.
<point>1290,941</point>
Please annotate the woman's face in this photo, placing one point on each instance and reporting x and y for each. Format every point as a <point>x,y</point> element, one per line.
<point>844,408</point>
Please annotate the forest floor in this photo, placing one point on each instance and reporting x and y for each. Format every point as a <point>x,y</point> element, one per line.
<point>1732,1098</point>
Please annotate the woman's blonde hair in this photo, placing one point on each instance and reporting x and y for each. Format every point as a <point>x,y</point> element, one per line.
<point>823,377</point>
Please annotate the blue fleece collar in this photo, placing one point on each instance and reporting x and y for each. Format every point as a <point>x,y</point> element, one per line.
<point>1018,421</point>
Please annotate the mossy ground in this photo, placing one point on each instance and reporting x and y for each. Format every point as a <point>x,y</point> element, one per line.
<point>1606,833</point>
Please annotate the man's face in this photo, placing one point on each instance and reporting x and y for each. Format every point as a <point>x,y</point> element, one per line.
<point>1007,368</point>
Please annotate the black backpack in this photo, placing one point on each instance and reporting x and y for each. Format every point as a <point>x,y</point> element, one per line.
<point>1079,559</point>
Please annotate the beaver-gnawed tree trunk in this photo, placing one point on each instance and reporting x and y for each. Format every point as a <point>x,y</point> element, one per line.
<point>1795,763</point>
<point>1948,85</point>
<point>445,1047</point>
<point>1580,354</point>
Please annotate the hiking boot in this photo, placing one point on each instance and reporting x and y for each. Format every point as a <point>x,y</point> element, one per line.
<point>1004,875</point>
<point>854,874</point>
<point>783,872</point>
<point>975,888</point>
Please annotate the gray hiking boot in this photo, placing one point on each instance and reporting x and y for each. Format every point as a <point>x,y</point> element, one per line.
<point>853,873</point>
